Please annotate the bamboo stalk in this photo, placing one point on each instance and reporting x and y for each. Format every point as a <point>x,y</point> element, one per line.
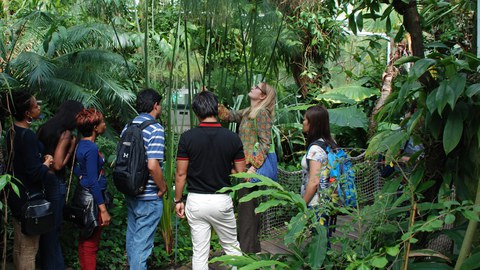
<point>244,49</point>
<point>254,40</point>
<point>166,221</point>
<point>407,248</point>
<point>5,223</point>
<point>189,85</point>
<point>273,50</point>
<point>469,235</point>
<point>145,46</point>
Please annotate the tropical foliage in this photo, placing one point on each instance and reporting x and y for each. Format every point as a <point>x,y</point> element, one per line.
<point>102,52</point>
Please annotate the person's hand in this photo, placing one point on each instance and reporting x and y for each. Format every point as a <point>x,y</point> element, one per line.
<point>104,218</point>
<point>251,170</point>
<point>180,209</point>
<point>48,160</point>
<point>161,191</point>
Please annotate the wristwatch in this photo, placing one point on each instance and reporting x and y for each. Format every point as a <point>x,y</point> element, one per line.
<point>177,202</point>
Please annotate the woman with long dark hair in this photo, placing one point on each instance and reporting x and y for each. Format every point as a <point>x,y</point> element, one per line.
<point>88,168</point>
<point>56,135</point>
<point>316,126</point>
<point>30,166</point>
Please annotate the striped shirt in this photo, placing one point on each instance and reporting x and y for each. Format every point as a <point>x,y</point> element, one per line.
<point>154,141</point>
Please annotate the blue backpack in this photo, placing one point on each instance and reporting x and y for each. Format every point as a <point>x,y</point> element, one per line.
<point>340,171</point>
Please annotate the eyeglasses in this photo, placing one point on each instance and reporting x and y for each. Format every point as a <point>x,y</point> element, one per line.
<point>260,88</point>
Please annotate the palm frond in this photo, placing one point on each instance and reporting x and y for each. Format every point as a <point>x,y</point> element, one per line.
<point>7,82</point>
<point>113,91</point>
<point>58,90</point>
<point>33,68</point>
<point>82,65</point>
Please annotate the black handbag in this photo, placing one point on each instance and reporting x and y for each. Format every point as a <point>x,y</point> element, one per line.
<point>37,215</point>
<point>74,214</point>
<point>82,210</point>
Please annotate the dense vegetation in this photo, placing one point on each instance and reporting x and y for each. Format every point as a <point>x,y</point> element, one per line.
<point>102,52</point>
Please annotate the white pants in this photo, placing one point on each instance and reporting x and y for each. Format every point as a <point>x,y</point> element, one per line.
<point>203,212</point>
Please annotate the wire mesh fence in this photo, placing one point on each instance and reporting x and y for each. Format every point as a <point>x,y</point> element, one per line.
<point>367,180</point>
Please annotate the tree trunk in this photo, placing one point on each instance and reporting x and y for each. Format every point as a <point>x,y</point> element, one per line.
<point>411,22</point>
<point>297,67</point>
<point>387,78</point>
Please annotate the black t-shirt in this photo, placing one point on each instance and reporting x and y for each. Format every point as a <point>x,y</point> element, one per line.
<point>210,150</point>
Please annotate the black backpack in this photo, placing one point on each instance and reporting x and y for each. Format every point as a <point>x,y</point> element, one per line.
<point>130,174</point>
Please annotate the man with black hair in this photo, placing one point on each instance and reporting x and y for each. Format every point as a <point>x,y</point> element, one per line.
<point>145,210</point>
<point>205,158</point>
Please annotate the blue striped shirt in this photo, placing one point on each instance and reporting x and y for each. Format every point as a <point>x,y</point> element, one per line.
<point>154,141</point>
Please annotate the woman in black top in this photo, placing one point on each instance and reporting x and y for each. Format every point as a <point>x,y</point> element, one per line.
<point>30,166</point>
<point>56,136</point>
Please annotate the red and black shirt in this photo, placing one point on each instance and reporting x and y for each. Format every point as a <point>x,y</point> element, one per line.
<point>211,151</point>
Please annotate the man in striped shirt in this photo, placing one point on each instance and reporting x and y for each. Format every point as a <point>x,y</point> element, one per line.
<point>145,210</point>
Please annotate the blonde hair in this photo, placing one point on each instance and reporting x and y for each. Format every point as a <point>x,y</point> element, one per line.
<point>268,103</point>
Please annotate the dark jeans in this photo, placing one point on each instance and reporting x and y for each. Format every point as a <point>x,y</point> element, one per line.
<point>248,223</point>
<point>51,255</point>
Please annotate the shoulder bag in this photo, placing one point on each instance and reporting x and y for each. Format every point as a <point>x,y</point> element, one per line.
<point>269,167</point>
<point>82,210</point>
<point>37,215</point>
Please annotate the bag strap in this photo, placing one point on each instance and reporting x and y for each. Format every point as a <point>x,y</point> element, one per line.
<point>320,143</point>
<point>71,173</point>
<point>144,124</point>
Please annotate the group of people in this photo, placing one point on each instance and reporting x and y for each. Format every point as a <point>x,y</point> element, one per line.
<point>39,162</point>
<point>206,156</point>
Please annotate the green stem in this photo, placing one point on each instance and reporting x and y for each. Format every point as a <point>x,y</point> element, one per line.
<point>244,46</point>
<point>253,52</point>
<point>145,46</point>
<point>189,85</point>
<point>273,50</point>
<point>469,235</point>
<point>166,221</point>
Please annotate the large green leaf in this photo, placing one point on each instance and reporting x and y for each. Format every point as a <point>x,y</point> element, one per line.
<point>420,67</point>
<point>264,206</point>
<point>300,107</point>
<point>457,83</point>
<point>453,131</point>
<point>270,264</point>
<point>317,248</point>
<point>379,262</point>
<point>445,94</point>
<point>355,92</point>
<point>234,260</point>
<point>295,228</point>
<point>472,262</point>
<point>388,142</point>
<point>472,90</point>
<point>348,117</point>
<point>431,101</point>
<point>428,266</point>
<point>406,59</point>
<point>335,98</point>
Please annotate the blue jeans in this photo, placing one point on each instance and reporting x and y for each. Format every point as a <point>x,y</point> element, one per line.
<point>143,219</point>
<point>51,255</point>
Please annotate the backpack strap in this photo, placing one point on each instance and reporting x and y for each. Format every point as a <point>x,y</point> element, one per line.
<point>320,143</point>
<point>145,124</point>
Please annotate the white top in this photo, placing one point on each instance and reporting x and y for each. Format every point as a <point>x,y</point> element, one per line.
<point>316,153</point>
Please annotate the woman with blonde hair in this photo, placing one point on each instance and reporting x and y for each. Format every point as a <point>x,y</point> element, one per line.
<point>255,132</point>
